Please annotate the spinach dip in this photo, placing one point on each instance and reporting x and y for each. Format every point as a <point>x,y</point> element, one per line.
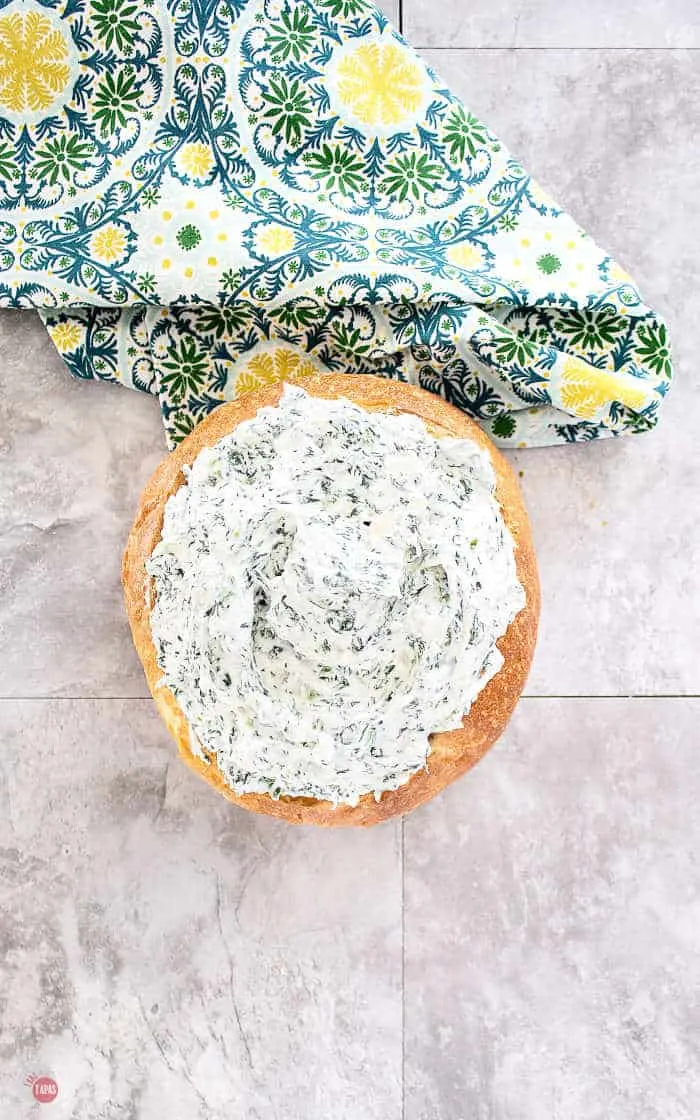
<point>330,585</point>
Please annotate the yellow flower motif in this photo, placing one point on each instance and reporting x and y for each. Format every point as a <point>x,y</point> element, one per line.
<point>66,336</point>
<point>109,243</point>
<point>465,255</point>
<point>585,390</point>
<point>275,240</point>
<point>380,84</point>
<point>271,367</point>
<point>195,159</point>
<point>34,65</point>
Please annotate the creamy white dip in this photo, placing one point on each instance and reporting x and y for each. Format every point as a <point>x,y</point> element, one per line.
<point>330,585</point>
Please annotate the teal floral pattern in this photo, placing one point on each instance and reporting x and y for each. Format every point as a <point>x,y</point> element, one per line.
<point>104,78</point>
<point>202,196</point>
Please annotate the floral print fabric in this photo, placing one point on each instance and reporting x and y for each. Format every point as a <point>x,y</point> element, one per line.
<point>205,196</point>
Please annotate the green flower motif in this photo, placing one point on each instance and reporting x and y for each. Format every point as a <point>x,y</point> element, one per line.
<point>186,370</point>
<point>150,197</point>
<point>350,341</point>
<point>289,108</point>
<point>230,279</point>
<point>515,348</point>
<point>548,263</point>
<point>337,167</point>
<point>504,425</point>
<point>591,329</point>
<point>59,158</point>
<point>183,424</point>
<point>188,237</point>
<point>508,222</point>
<point>345,9</point>
<point>8,167</point>
<point>411,174</point>
<point>293,37</point>
<point>301,315</point>
<point>114,22</point>
<point>464,133</point>
<point>147,283</point>
<point>116,98</point>
<point>654,350</point>
<point>224,322</point>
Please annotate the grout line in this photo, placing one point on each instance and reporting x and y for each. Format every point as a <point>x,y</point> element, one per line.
<point>559,47</point>
<point>611,696</point>
<point>51,699</point>
<point>403,968</point>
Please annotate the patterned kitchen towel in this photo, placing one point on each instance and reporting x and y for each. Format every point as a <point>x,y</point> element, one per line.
<point>203,196</point>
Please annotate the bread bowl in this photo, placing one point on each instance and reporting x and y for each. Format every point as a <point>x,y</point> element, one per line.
<point>452,752</point>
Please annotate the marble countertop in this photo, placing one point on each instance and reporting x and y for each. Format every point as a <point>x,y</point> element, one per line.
<point>523,948</point>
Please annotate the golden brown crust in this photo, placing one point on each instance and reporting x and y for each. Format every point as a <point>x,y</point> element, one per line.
<point>453,752</point>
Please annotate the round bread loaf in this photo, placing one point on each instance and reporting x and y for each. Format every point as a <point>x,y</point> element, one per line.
<point>452,752</point>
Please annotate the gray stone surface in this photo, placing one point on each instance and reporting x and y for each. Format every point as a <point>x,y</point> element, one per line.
<point>552,23</point>
<point>74,457</point>
<point>164,954</point>
<point>552,908</point>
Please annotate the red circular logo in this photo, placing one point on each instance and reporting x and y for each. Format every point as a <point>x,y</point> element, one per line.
<point>44,1089</point>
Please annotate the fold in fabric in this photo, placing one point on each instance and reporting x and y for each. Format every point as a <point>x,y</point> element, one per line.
<point>205,196</point>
